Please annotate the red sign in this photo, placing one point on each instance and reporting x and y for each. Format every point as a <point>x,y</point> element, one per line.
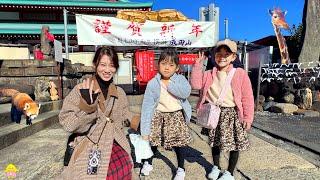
<point>146,69</point>
<point>187,58</point>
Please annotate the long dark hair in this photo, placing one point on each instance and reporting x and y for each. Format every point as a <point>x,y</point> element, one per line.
<point>109,51</point>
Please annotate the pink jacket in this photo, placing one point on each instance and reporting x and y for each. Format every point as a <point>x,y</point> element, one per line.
<point>240,84</point>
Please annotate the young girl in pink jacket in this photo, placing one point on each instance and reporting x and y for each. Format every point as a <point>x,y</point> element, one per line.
<point>237,109</point>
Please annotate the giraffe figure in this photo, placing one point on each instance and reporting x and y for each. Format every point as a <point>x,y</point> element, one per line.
<point>278,22</point>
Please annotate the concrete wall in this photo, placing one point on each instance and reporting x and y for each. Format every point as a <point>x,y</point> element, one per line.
<point>8,53</point>
<point>81,57</point>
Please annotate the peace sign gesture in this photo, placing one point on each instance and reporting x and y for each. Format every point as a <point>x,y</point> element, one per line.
<point>201,57</point>
<point>89,85</point>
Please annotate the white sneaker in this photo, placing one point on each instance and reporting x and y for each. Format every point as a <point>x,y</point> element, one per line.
<point>180,174</point>
<point>146,169</point>
<point>226,176</point>
<point>214,174</point>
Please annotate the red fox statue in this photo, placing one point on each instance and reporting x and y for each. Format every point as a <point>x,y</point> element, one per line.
<point>21,104</point>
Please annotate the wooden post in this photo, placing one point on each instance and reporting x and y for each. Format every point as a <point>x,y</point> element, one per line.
<point>258,88</point>
<point>60,92</point>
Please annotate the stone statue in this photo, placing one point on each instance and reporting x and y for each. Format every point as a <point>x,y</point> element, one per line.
<point>41,89</point>
<point>53,91</point>
<point>46,39</point>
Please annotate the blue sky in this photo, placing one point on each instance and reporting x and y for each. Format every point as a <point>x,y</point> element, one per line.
<point>248,19</point>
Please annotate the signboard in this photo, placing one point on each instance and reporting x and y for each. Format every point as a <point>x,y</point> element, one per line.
<point>187,58</point>
<point>100,30</point>
<point>146,69</point>
<point>58,51</point>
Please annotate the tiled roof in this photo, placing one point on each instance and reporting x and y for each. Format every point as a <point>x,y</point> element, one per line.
<point>78,3</point>
<point>32,28</point>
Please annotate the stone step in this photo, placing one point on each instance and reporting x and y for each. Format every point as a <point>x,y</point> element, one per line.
<point>5,109</point>
<point>44,71</point>
<point>27,63</point>
<point>26,84</point>
<point>29,71</point>
<point>11,133</point>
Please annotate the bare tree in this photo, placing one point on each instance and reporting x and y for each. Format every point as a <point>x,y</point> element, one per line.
<point>311,23</point>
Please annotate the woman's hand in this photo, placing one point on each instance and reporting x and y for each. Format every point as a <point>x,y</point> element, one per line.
<point>246,126</point>
<point>201,57</point>
<point>86,84</point>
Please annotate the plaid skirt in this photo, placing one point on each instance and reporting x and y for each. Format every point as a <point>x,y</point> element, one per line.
<point>169,129</point>
<point>120,165</point>
<point>229,134</point>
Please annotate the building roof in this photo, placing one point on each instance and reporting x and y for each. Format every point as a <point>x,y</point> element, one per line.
<point>32,28</point>
<point>268,40</point>
<point>78,3</point>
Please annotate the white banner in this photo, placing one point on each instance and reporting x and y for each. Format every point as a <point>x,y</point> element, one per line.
<point>58,51</point>
<point>100,30</point>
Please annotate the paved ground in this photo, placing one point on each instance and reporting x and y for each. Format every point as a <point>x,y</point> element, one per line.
<point>298,129</point>
<point>40,157</point>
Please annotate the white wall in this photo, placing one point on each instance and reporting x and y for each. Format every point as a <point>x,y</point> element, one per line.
<point>264,55</point>
<point>7,53</point>
<point>82,57</point>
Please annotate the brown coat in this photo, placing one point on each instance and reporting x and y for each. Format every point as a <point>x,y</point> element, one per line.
<point>77,116</point>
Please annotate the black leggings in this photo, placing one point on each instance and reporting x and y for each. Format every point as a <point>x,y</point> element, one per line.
<point>179,153</point>
<point>233,159</point>
<point>154,150</point>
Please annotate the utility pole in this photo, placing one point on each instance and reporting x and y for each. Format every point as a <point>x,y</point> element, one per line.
<point>246,57</point>
<point>226,28</point>
<point>65,20</point>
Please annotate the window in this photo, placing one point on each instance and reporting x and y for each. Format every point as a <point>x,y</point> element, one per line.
<point>41,16</point>
<point>9,15</point>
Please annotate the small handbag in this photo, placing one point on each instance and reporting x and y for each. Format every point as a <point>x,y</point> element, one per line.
<point>69,150</point>
<point>67,155</point>
<point>208,114</point>
<point>142,148</point>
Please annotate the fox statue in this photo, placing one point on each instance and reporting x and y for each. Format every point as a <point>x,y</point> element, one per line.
<point>22,103</point>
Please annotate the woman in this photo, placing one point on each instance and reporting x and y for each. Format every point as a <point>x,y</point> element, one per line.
<point>96,110</point>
